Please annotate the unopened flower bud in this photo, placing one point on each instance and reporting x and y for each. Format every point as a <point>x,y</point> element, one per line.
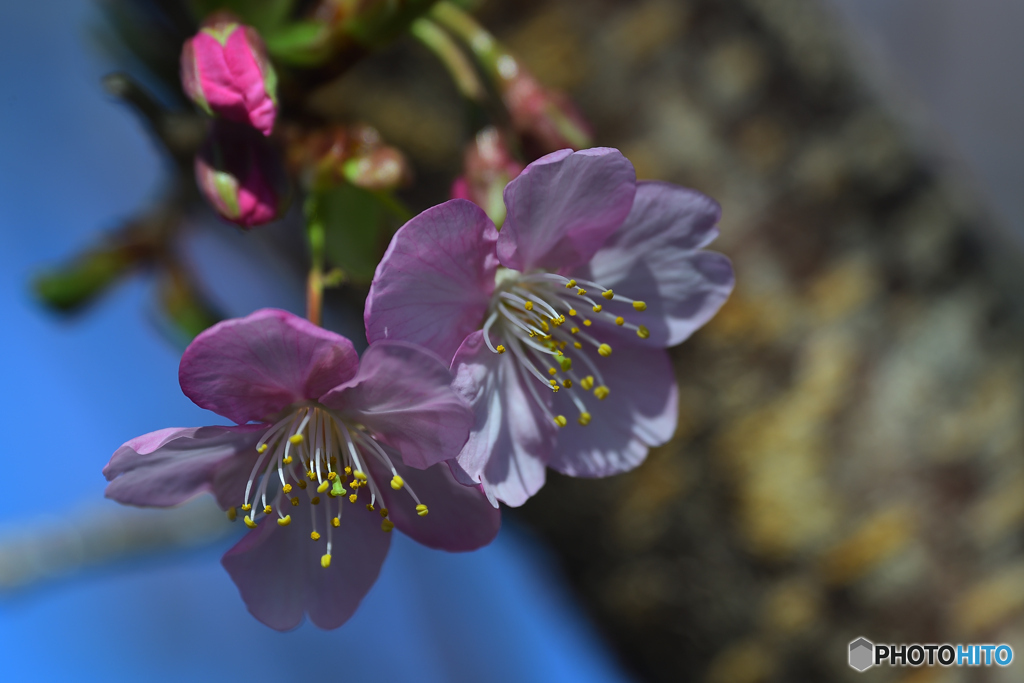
<point>488,168</point>
<point>225,70</point>
<point>356,154</point>
<point>545,117</point>
<point>241,175</point>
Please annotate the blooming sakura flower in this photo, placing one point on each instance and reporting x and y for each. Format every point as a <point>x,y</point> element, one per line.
<point>225,70</point>
<point>556,325</point>
<point>328,455</point>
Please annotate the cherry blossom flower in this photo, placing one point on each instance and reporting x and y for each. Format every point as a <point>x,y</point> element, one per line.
<point>328,454</point>
<point>556,326</point>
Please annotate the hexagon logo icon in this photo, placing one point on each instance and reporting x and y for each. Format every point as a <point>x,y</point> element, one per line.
<point>862,654</point>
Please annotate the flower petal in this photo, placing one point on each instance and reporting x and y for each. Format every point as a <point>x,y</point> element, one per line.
<point>459,518</point>
<point>170,466</point>
<point>435,280</point>
<point>640,411</point>
<point>248,369</point>
<point>278,573</point>
<point>655,257</point>
<point>402,393</point>
<point>511,438</point>
<point>563,207</point>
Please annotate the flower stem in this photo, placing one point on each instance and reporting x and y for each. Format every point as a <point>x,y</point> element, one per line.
<point>438,41</point>
<point>485,48</point>
<point>316,237</point>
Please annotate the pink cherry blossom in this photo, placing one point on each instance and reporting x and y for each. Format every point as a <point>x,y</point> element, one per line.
<point>565,312</point>
<point>329,453</point>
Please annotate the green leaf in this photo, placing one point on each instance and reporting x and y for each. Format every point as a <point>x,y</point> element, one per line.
<point>303,43</point>
<point>358,228</point>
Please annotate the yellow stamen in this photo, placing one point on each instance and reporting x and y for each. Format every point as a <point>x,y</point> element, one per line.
<point>353,497</point>
<point>421,510</point>
<point>397,482</point>
<point>301,483</point>
<point>323,486</point>
<point>552,371</point>
<point>608,294</point>
<point>640,305</point>
<point>643,332</point>
<point>369,507</point>
<point>267,510</point>
<point>325,561</point>
<point>601,393</point>
<point>384,512</point>
<point>284,521</point>
<point>620,321</point>
<point>315,536</point>
<point>295,501</point>
<point>587,323</point>
<point>335,522</point>
<point>310,475</point>
<point>587,382</point>
<point>584,419</point>
<point>387,525</point>
<point>315,500</point>
<point>287,488</point>
<point>570,284</point>
<point>296,439</point>
<point>604,350</point>
<point>597,308</point>
<point>249,523</point>
<point>581,291</point>
<point>331,476</point>
<point>361,476</point>
<point>247,507</point>
<point>500,349</point>
<point>567,383</point>
<point>528,305</point>
<point>232,514</point>
<point>287,460</point>
<point>577,345</point>
<point>574,330</point>
<point>572,311</point>
<point>560,420</point>
<point>348,470</point>
<point>262,448</point>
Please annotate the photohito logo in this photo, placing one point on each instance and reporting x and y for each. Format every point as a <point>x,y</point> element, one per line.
<point>864,654</point>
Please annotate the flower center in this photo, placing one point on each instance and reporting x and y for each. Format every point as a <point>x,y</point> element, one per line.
<point>310,453</point>
<point>528,314</point>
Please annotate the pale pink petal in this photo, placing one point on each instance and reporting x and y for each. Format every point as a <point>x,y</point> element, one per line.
<point>277,569</point>
<point>563,207</point>
<point>433,285</point>
<point>640,411</point>
<point>171,466</point>
<point>459,518</point>
<point>251,368</point>
<point>511,438</point>
<point>656,257</point>
<point>402,393</point>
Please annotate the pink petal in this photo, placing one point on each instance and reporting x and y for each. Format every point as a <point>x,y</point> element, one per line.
<point>640,411</point>
<point>433,285</point>
<point>278,573</point>
<point>402,393</point>
<point>171,466</point>
<point>563,207</point>
<point>656,257</point>
<point>251,368</point>
<point>511,438</point>
<point>231,80</point>
<point>459,518</point>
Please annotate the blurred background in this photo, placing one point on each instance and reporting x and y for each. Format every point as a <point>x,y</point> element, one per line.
<point>850,456</point>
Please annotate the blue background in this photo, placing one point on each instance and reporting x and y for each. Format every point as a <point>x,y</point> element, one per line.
<point>73,162</point>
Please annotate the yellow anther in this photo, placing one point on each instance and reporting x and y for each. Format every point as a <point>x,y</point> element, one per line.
<point>284,521</point>
<point>232,514</point>
<point>587,382</point>
<point>620,320</point>
<point>601,393</point>
<point>422,510</point>
<point>387,525</point>
<point>247,507</point>
<point>572,311</point>
<point>348,470</point>
<point>325,561</point>
<point>581,291</point>
<point>560,420</point>
<point>553,383</point>
<point>584,419</point>
<point>528,305</point>
<point>315,500</point>
<point>295,501</point>
<point>574,330</point>
<point>552,371</point>
<point>567,383</point>
<point>353,483</point>
<point>570,284</point>
<point>604,350</point>
<point>331,476</point>
<point>287,488</point>
<point>384,512</point>
<point>315,536</point>
<point>296,439</point>
<point>301,483</point>
<point>640,305</point>
<point>608,294</point>
<point>643,332</point>
<point>335,522</point>
<point>369,507</point>
<point>249,523</point>
<point>500,349</point>
<point>587,323</point>
<point>262,448</point>
<point>544,326</point>
<point>577,345</point>
<point>324,485</point>
<point>397,482</point>
<point>267,509</point>
<point>287,460</point>
<point>353,497</point>
<point>597,308</point>
<point>310,475</point>
<point>555,388</point>
<point>361,476</point>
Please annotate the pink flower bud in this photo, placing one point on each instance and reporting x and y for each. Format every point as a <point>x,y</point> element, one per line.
<point>225,70</point>
<point>488,168</point>
<point>546,118</point>
<point>241,175</point>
